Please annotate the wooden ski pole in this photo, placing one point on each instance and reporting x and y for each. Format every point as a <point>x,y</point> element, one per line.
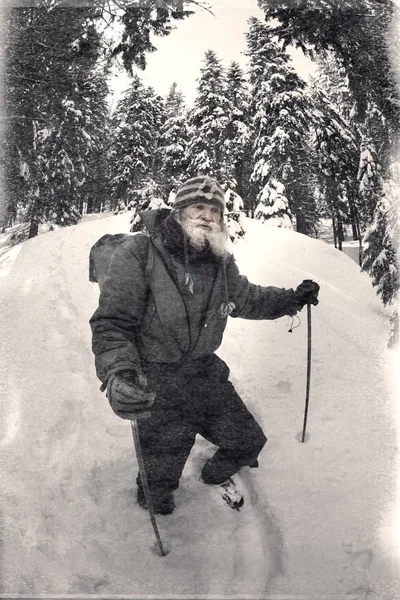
<point>308,369</point>
<point>146,490</point>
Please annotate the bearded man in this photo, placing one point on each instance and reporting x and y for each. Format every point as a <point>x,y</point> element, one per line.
<point>155,337</point>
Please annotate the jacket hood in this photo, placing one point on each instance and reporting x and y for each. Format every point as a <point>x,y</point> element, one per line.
<point>153,219</point>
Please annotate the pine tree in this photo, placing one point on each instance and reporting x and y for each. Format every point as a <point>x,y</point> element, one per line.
<point>336,154</point>
<point>369,179</point>
<point>361,50</point>
<point>282,114</point>
<point>360,46</point>
<point>273,207</point>
<point>379,258</point>
<point>238,134</point>
<point>173,141</point>
<point>141,22</point>
<point>208,122</point>
<point>381,240</point>
<point>54,132</point>
<point>235,217</point>
<point>136,128</point>
<point>23,76</point>
<point>94,191</point>
<point>68,150</point>
<point>336,147</point>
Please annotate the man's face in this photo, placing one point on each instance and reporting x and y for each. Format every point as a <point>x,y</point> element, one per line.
<point>203,214</point>
<point>203,224</point>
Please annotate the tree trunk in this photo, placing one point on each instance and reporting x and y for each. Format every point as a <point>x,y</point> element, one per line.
<point>90,205</point>
<point>353,219</point>
<point>354,216</point>
<point>334,230</point>
<point>360,246</point>
<point>33,228</point>
<point>394,330</point>
<point>239,179</point>
<point>300,224</point>
<point>339,230</point>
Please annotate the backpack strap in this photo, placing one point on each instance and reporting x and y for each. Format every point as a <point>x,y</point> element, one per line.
<point>149,260</point>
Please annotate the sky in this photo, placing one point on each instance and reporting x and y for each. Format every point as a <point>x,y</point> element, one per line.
<point>180,55</point>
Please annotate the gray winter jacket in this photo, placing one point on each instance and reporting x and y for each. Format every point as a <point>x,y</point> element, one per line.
<point>162,322</point>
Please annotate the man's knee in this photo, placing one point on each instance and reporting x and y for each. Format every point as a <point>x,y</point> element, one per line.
<point>254,446</point>
<point>251,437</point>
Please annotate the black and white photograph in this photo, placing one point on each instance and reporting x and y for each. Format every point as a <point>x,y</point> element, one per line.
<point>199,299</point>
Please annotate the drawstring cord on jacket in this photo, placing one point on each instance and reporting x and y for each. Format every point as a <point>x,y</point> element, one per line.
<point>226,308</point>
<point>188,281</point>
<point>296,326</point>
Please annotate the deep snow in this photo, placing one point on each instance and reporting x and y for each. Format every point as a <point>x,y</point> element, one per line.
<point>320,519</point>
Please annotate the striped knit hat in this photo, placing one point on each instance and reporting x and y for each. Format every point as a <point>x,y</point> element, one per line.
<point>200,189</point>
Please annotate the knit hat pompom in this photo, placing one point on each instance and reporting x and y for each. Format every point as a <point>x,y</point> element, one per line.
<point>200,189</point>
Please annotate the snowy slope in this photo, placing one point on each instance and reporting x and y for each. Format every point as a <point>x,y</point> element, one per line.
<point>318,521</point>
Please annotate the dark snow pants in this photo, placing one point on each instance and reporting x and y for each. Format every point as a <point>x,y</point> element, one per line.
<point>190,399</point>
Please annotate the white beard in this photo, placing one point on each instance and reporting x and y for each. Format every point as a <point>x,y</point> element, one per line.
<point>216,235</point>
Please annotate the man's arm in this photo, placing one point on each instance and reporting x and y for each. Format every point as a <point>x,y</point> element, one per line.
<point>256,301</point>
<point>121,305</point>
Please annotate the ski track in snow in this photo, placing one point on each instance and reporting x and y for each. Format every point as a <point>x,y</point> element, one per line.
<point>314,513</point>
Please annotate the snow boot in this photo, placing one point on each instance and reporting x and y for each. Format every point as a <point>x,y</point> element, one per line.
<point>229,492</point>
<point>163,504</point>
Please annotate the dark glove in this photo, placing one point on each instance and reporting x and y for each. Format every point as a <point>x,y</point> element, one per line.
<point>126,392</point>
<point>307,293</point>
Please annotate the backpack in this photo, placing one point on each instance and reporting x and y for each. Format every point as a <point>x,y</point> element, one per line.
<point>102,251</point>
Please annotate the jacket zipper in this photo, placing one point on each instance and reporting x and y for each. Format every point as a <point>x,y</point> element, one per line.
<point>171,273</point>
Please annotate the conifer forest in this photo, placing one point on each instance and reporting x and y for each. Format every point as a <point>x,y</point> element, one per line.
<point>292,152</point>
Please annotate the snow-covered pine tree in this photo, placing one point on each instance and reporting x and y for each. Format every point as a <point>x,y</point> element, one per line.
<point>360,47</point>
<point>379,258</point>
<point>94,93</point>
<point>381,248</point>
<point>173,141</point>
<point>52,57</point>
<point>150,197</point>
<point>369,178</point>
<point>208,122</point>
<point>136,126</point>
<point>235,216</point>
<point>238,134</point>
<point>25,70</point>
<point>70,151</point>
<point>141,23</point>
<point>282,115</point>
<point>273,206</point>
<point>335,144</point>
<point>375,191</point>
<point>336,140</point>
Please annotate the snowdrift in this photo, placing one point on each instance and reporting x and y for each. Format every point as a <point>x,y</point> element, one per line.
<point>318,518</point>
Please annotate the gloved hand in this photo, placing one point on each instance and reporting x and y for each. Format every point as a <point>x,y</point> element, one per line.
<point>127,396</point>
<point>307,293</point>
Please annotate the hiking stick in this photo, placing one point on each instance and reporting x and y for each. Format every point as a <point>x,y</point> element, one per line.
<point>308,369</point>
<point>143,477</point>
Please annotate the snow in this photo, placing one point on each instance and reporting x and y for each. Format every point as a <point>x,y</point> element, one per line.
<point>319,519</point>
